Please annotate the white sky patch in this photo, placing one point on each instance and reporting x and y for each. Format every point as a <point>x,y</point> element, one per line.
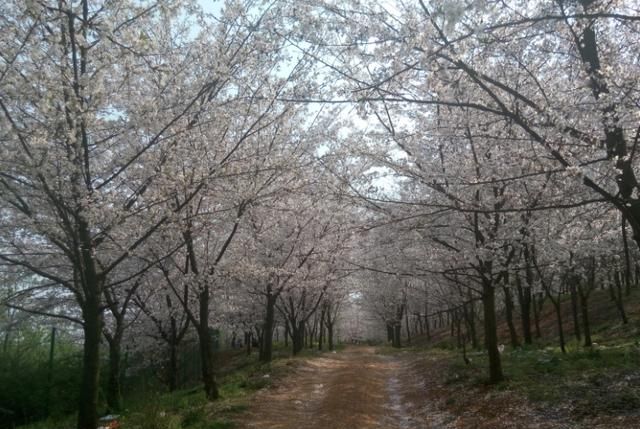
<point>214,7</point>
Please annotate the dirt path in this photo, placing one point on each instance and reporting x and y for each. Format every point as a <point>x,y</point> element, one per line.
<point>355,388</point>
<point>359,389</point>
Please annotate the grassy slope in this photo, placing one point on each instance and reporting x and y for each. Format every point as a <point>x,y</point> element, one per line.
<point>602,381</point>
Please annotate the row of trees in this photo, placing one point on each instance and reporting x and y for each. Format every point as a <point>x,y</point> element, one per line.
<point>154,185</point>
<point>511,133</point>
<point>164,165</point>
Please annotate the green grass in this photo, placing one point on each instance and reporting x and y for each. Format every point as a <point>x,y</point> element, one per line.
<point>189,408</point>
<point>597,380</point>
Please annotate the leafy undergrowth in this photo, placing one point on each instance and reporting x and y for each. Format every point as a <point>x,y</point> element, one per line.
<point>597,384</point>
<point>238,379</point>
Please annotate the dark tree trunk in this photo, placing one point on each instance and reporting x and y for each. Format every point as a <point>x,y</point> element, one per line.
<point>114,395</point>
<point>207,362</point>
<point>584,310</point>
<point>471,323</point>
<point>390,332</point>
<point>491,332</point>
<point>524,300</point>
<point>287,333</point>
<point>538,302</point>
<point>427,325</point>
<point>297,336</point>
<point>330,335</point>
<point>321,329</point>
<point>458,322</point>
<point>206,347</point>
<point>560,330</point>
<point>90,384</point>
<point>558,308</point>
<point>397,326</point>
<point>574,307</point>
<point>528,299</point>
<point>615,289</point>
<point>172,369</point>
<point>259,340</point>
<point>408,327</point>
<point>301,337</point>
<point>452,325</point>
<point>311,334</point>
<point>247,341</point>
<point>266,352</point>
<point>508,303</point>
<point>627,257</point>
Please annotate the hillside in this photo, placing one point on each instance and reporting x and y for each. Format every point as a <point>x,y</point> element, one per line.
<point>598,384</point>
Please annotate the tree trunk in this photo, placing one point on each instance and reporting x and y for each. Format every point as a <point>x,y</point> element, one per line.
<point>627,257</point>
<point>266,352</point>
<point>406,320</point>
<point>90,384</point>
<point>287,333</point>
<point>538,301</point>
<point>584,310</point>
<point>206,348</point>
<point>574,307</point>
<point>557,307</point>
<point>616,296</point>
<point>397,342</point>
<point>321,329</point>
<point>247,342</point>
<point>471,323</point>
<point>330,336</point>
<point>524,300</point>
<point>450,320</point>
<point>172,369</point>
<point>491,332</point>
<point>114,396</point>
<point>508,303</point>
<point>458,322</point>
<point>259,339</point>
<point>427,325</point>
<point>207,361</point>
<point>311,333</point>
<point>298,337</point>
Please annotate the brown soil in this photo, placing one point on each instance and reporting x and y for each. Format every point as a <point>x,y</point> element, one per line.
<point>356,388</point>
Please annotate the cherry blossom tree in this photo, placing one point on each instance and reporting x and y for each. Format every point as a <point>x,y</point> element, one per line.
<point>98,102</point>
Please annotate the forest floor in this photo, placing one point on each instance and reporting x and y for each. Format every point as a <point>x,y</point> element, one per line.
<point>367,387</point>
